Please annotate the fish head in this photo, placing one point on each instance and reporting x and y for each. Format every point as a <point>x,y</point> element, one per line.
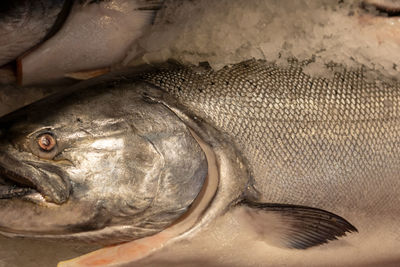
<point>89,164</point>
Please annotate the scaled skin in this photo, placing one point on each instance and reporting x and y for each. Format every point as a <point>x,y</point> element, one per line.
<point>335,149</point>
<point>221,249</point>
<point>331,144</point>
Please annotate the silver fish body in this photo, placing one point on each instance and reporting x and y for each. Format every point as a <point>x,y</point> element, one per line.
<point>312,141</point>
<point>327,143</point>
<point>88,166</point>
<point>40,37</point>
<point>24,24</point>
<point>283,142</point>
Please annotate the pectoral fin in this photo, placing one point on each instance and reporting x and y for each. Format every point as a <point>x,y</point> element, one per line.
<point>85,75</point>
<point>293,226</point>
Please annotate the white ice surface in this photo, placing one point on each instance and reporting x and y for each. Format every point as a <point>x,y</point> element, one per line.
<point>229,31</point>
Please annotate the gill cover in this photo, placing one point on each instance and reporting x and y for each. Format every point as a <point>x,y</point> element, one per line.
<point>132,165</point>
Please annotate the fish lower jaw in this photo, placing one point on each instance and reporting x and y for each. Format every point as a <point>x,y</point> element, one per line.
<point>13,185</point>
<point>24,193</point>
<point>38,198</point>
<point>10,190</point>
<point>17,186</point>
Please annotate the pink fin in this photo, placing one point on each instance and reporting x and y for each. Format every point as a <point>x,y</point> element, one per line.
<point>85,75</point>
<point>120,254</point>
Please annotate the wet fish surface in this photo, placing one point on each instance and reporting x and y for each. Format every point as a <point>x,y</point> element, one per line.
<point>38,39</point>
<point>297,132</point>
<point>106,30</point>
<point>24,24</point>
<point>319,156</point>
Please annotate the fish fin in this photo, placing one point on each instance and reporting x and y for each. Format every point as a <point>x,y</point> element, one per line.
<point>120,254</point>
<point>88,74</point>
<point>293,226</point>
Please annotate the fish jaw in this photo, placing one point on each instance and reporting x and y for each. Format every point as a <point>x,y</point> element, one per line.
<point>130,175</point>
<point>45,198</point>
<point>51,182</point>
<point>36,197</point>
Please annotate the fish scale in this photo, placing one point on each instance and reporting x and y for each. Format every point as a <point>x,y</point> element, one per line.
<point>335,139</point>
<point>284,153</point>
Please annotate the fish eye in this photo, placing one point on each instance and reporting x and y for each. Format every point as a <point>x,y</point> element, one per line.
<point>46,142</point>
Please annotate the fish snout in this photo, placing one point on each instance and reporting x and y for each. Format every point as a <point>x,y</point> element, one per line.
<point>50,181</point>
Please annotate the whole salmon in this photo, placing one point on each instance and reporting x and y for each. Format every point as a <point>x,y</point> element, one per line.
<point>160,155</point>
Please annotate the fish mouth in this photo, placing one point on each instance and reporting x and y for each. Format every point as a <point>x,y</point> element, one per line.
<point>13,185</point>
<point>19,179</point>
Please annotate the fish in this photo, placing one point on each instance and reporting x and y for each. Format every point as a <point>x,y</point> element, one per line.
<point>66,196</point>
<point>106,30</point>
<point>38,38</point>
<point>159,156</point>
<point>24,24</point>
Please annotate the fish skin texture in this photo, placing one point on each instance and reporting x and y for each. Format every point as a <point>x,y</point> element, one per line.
<point>326,143</point>
<point>24,24</point>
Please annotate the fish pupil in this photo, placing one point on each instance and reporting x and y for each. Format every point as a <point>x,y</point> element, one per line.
<point>46,142</point>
